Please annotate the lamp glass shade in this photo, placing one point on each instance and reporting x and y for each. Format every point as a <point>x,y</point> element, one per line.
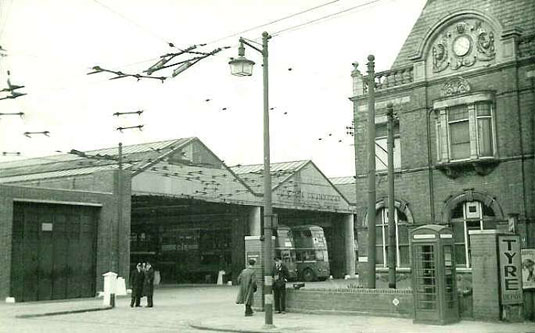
<point>241,66</point>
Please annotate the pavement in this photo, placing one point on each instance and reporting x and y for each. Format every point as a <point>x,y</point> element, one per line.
<point>211,308</point>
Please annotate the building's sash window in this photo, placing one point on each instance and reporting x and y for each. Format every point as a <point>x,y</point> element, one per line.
<point>465,128</point>
<point>459,132</point>
<point>402,238</point>
<point>381,147</point>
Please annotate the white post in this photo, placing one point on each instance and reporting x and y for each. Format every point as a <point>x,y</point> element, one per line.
<point>110,280</point>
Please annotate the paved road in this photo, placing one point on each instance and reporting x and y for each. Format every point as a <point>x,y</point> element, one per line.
<point>172,313</point>
<point>210,307</point>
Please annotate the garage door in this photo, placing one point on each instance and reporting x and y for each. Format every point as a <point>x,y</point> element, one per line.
<point>54,251</point>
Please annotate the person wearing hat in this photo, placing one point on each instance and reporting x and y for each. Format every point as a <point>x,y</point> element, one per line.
<point>136,284</point>
<point>247,282</point>
<point>280,275</point>
<point>148,283</point>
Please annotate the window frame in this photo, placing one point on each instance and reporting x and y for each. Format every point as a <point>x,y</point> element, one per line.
<point>397,146</point>
<point>464,221</point>
<point>443,108</point>
<point>383,212</point>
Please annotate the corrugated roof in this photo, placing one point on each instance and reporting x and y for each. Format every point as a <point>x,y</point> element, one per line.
<point>288,167</point>
<point>342,180</point>
<point>65,165</point>
<point>55,174</point>
<point>253,176</point>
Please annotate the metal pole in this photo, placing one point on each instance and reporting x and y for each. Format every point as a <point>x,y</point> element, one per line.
<point>371,172</point>
<point>391,223</point>
<point>119,207</point>
<point>268,210</point>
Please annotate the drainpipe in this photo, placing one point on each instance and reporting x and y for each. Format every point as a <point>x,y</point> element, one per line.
<point>522,152</point>
<point>430,162</point>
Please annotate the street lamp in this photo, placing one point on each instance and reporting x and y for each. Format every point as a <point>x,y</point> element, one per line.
<point>242,66</point>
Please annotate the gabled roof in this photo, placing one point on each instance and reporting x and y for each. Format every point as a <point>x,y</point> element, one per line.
<point>135,157</point>
<point>252,175</point>
<point>283,179</point>
<point>509,14</point>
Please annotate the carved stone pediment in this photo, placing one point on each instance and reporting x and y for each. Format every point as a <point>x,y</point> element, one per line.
<point>455,86</point>
<point>464,44</point>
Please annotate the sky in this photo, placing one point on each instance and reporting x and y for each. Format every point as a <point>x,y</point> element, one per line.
<point>51,45</point>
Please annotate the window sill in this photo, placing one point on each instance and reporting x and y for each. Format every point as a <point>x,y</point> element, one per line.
<point>482,166</point>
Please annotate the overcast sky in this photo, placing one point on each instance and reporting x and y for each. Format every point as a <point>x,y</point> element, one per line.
<point>51,45</point>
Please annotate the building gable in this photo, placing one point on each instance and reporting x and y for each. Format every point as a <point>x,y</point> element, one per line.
<point>503,18</point>
<point>308,188</point>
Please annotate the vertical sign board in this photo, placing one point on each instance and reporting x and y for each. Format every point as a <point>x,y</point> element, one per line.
<point>510,269</point>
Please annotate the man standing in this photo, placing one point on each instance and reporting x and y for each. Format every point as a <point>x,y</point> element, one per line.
<point>136,284</point>
<point>280,276</point>
<point>247,282</point>
<point>148,283</point>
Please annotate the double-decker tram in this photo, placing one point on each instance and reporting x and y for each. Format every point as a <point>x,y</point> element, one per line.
<point>312,256</point>
<point>285,249</point>
<point>303,249</point>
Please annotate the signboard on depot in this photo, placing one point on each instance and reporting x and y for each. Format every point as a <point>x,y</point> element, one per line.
<point>510,269</point>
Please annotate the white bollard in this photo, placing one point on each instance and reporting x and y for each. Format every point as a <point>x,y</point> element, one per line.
<point>110,280</point>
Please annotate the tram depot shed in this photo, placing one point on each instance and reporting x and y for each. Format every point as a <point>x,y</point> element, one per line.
<point>182,208</point>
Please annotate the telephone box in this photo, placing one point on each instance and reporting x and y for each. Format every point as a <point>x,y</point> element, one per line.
<point>433,275</point>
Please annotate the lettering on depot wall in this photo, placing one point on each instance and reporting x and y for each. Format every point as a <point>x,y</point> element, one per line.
<point>510,269</point>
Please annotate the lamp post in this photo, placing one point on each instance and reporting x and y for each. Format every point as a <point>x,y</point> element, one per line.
<point>242,66</point>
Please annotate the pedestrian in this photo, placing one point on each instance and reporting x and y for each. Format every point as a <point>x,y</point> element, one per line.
<point>280,275</point>
<point>247,282</point>
<point>136,284</point>
<point>148,283</point>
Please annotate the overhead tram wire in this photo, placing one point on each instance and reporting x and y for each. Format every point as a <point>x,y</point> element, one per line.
<point>233,34</point>
<point>273,22</point>
<point>299,26</point>
<point>138,25</point>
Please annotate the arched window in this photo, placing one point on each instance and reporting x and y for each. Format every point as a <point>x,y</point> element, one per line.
<point>402,238</point>
<point>467,216</point>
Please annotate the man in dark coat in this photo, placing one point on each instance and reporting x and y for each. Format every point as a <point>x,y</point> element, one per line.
<point>247,282</point>
<point>136,284</point>
<point>148,283</point>
<point>280,275</point>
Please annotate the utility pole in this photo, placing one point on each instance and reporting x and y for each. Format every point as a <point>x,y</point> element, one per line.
<point>120,182</point>
<point>391,222</point>
<point>371,172</point>
<point>119,207</point>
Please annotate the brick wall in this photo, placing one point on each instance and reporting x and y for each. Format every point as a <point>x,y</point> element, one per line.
<point>107,218</point>
<point>376,302</point>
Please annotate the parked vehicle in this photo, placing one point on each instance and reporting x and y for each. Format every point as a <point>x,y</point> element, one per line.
<point>304,251</point>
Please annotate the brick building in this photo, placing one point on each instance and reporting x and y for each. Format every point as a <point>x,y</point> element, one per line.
<point>463,92</point>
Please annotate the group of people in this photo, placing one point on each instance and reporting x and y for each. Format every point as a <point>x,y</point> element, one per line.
<point>142,284</point>
<point>247,282</point>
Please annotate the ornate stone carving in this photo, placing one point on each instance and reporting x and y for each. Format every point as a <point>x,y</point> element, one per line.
<point>463,45</point>
<point>455,86</point>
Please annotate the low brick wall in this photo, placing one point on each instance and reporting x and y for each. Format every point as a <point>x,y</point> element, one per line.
<point>375,302</point>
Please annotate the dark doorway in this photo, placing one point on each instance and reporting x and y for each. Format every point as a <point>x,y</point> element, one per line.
<point>53,252</point>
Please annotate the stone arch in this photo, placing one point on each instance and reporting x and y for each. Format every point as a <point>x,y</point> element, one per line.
<point>425,45</point>
<point>470,195</point>
<point>400,204</point>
